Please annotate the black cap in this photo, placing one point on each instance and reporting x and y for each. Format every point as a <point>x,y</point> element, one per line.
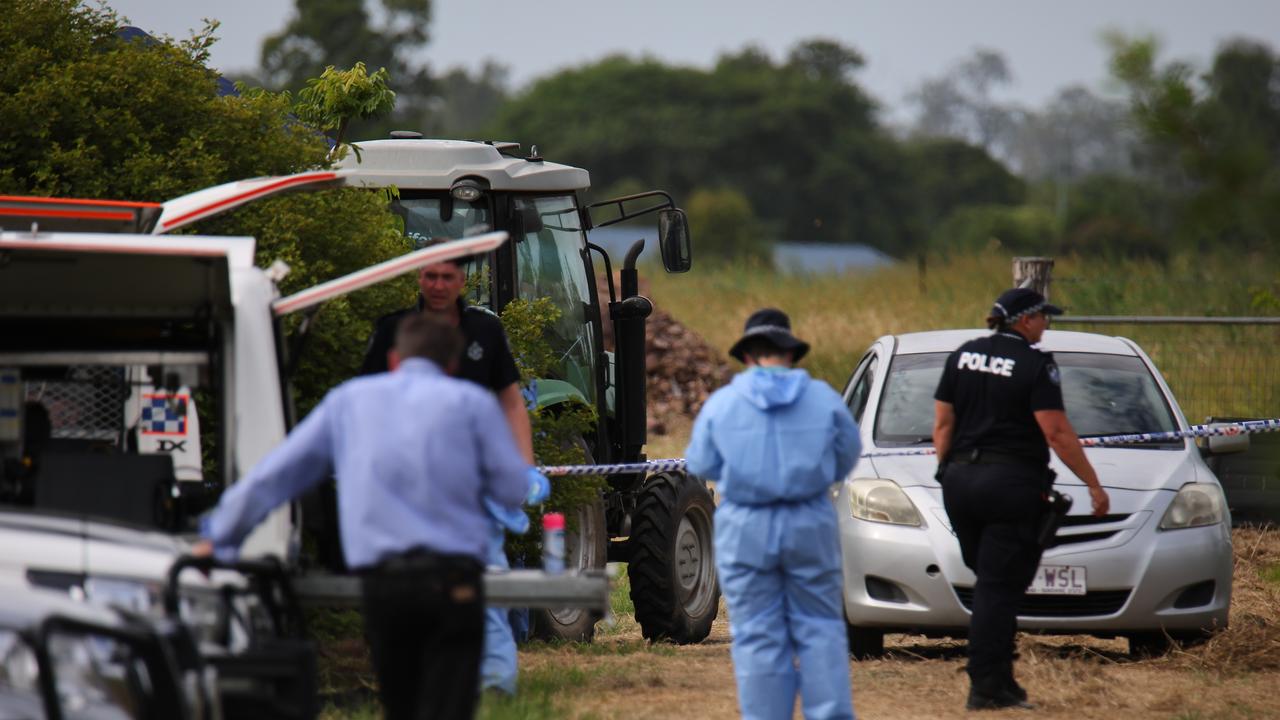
<point>772,325</point>
<point>1013,304</point>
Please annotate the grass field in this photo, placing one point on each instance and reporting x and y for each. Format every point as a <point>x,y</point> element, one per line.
<point>1213,370</point>
<point>1233,676</point>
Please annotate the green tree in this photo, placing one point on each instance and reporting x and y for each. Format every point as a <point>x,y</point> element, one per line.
<point>342,33</point>
<point>797,138</point>
<point>1024,229</point>
<point>92,115</point>
<point>1212,138</point>
<point>337,97</point>
<point>951,173</point>
<point>726,228</point>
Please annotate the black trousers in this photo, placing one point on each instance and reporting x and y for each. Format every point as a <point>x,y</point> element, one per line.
<point>995,512</point>
<point>424,622</point>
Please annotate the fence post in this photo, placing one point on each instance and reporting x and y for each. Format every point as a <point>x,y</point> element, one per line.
<point>1033,272</point>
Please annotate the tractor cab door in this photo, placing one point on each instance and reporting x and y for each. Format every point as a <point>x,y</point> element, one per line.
<point>552,262</point>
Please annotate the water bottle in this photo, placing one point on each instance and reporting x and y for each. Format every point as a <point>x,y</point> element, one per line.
<point>553,543</point>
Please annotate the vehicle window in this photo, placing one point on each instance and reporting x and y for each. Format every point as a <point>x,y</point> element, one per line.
<point>864,376</point>
<point>442,216</point>
<point>19,678</point>
<point>905,415</point>
<point>1112,395</point>
<point>551,263</point>
<point>1103,395</point>
<point>98,676</point>
<point>105,433</point>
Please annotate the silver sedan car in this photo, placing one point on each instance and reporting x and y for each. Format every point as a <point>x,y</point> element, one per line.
<point>1157,566</point>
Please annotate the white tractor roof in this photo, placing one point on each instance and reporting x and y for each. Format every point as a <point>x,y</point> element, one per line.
<point>1053,341</point>
<point>436,164</point>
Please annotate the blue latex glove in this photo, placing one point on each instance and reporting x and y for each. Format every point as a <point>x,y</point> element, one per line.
<point>539,487</point>
<point>514,520</point>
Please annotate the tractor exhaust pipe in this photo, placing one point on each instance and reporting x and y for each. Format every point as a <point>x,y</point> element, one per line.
<point>628,315</point>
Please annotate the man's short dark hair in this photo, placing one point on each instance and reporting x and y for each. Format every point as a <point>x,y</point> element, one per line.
<point>460,262</point>
<point>425,336</point>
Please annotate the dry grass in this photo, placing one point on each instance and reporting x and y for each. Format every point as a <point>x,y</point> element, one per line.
<point>840,315</point>
<point>1232,676</point>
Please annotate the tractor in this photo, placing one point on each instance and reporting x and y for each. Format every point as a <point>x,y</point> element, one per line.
<point>659,523</point>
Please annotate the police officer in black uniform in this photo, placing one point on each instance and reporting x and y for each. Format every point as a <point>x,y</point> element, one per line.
<point>486,357</point>
<point>998,410</point>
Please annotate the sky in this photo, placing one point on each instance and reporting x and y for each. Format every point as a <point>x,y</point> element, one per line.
<point>1048,45</point>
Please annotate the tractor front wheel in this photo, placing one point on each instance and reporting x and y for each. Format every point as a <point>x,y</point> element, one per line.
<point>672,565</point>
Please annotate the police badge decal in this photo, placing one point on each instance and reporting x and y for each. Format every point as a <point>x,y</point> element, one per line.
<point>475,352</point>
<point>1054,376</point>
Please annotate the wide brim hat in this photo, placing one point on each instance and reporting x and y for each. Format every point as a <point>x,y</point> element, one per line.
<point>773,325</point>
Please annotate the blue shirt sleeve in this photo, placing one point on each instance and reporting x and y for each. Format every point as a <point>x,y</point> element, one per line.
<point>702,457</point>
<point>299,463</point>
<point>502,468</point>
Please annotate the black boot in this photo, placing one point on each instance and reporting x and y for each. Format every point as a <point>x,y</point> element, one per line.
<point>994,693</point>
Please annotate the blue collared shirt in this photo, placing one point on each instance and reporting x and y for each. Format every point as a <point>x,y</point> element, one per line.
<point>414,452</point>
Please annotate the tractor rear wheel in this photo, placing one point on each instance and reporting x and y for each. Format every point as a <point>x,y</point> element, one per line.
<point>672,565</point>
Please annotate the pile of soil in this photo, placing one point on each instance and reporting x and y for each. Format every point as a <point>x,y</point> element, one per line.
<point>682,369</point>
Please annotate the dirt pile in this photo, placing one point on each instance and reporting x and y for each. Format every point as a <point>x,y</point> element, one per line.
<point>682,369</point>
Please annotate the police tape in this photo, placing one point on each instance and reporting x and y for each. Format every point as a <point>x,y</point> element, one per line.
<point>1242,427</point>
<point>664,465</point>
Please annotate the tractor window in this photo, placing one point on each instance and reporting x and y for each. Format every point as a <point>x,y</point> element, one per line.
<point>551,263</point>
<point>434,217</point>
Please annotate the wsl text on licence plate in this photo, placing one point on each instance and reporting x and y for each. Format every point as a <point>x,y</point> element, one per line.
<point>1058,580</point>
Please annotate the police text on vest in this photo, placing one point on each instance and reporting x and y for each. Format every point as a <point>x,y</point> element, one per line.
<point>982,363</point>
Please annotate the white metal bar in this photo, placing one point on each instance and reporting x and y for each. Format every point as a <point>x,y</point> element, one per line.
<point>512,588</point>
<point>375,274</point>
<point>1164,320</point>
<point>120,357</point>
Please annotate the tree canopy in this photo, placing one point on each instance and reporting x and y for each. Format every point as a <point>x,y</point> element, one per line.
<point>89,114</point>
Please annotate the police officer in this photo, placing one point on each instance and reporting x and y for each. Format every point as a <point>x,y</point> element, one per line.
<point>486,357</point>
<point>998,410</point>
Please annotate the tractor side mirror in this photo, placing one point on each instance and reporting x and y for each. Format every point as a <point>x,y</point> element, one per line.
<point>673,240</point>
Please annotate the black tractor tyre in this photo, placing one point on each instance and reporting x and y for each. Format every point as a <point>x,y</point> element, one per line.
<point>865,643</point>
<point>586,548</point>
<point>672,567</point>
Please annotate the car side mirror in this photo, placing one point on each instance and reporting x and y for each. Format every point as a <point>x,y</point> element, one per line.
<point>673,240</point>
<point>1226,444</point>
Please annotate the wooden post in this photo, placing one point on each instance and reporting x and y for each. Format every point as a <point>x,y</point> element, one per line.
<point>1033,272</point>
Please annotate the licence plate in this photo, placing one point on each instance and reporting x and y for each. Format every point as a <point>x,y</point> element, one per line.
<point>1058,580</point>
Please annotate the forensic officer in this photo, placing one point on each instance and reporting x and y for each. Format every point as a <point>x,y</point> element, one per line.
<point>775,440</point>
<point>998,410</point>
<point>420,459</point>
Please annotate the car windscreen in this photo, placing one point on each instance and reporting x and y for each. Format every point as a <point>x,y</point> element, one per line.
<point>1103,395</point>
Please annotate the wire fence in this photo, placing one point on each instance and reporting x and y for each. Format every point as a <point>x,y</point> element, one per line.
<point>1214,369</point>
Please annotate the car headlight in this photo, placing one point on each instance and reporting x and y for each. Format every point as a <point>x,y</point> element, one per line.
<point>19,671</point>
<point>882,501</point>
<point>1195,505</point>
<point>133,595</point>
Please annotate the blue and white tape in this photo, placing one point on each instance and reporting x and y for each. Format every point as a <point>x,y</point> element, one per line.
<point>1244,427</point>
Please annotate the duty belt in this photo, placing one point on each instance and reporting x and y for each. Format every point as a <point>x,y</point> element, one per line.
<point>986,456</point>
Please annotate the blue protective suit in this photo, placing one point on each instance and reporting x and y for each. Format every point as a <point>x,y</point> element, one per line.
<point>498,663</point>
<point>775,440</point>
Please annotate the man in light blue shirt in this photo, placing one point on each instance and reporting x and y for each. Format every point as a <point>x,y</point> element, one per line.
<point>416,453</point>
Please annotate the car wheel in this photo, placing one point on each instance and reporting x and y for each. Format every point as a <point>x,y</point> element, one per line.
<point>865,643</point>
